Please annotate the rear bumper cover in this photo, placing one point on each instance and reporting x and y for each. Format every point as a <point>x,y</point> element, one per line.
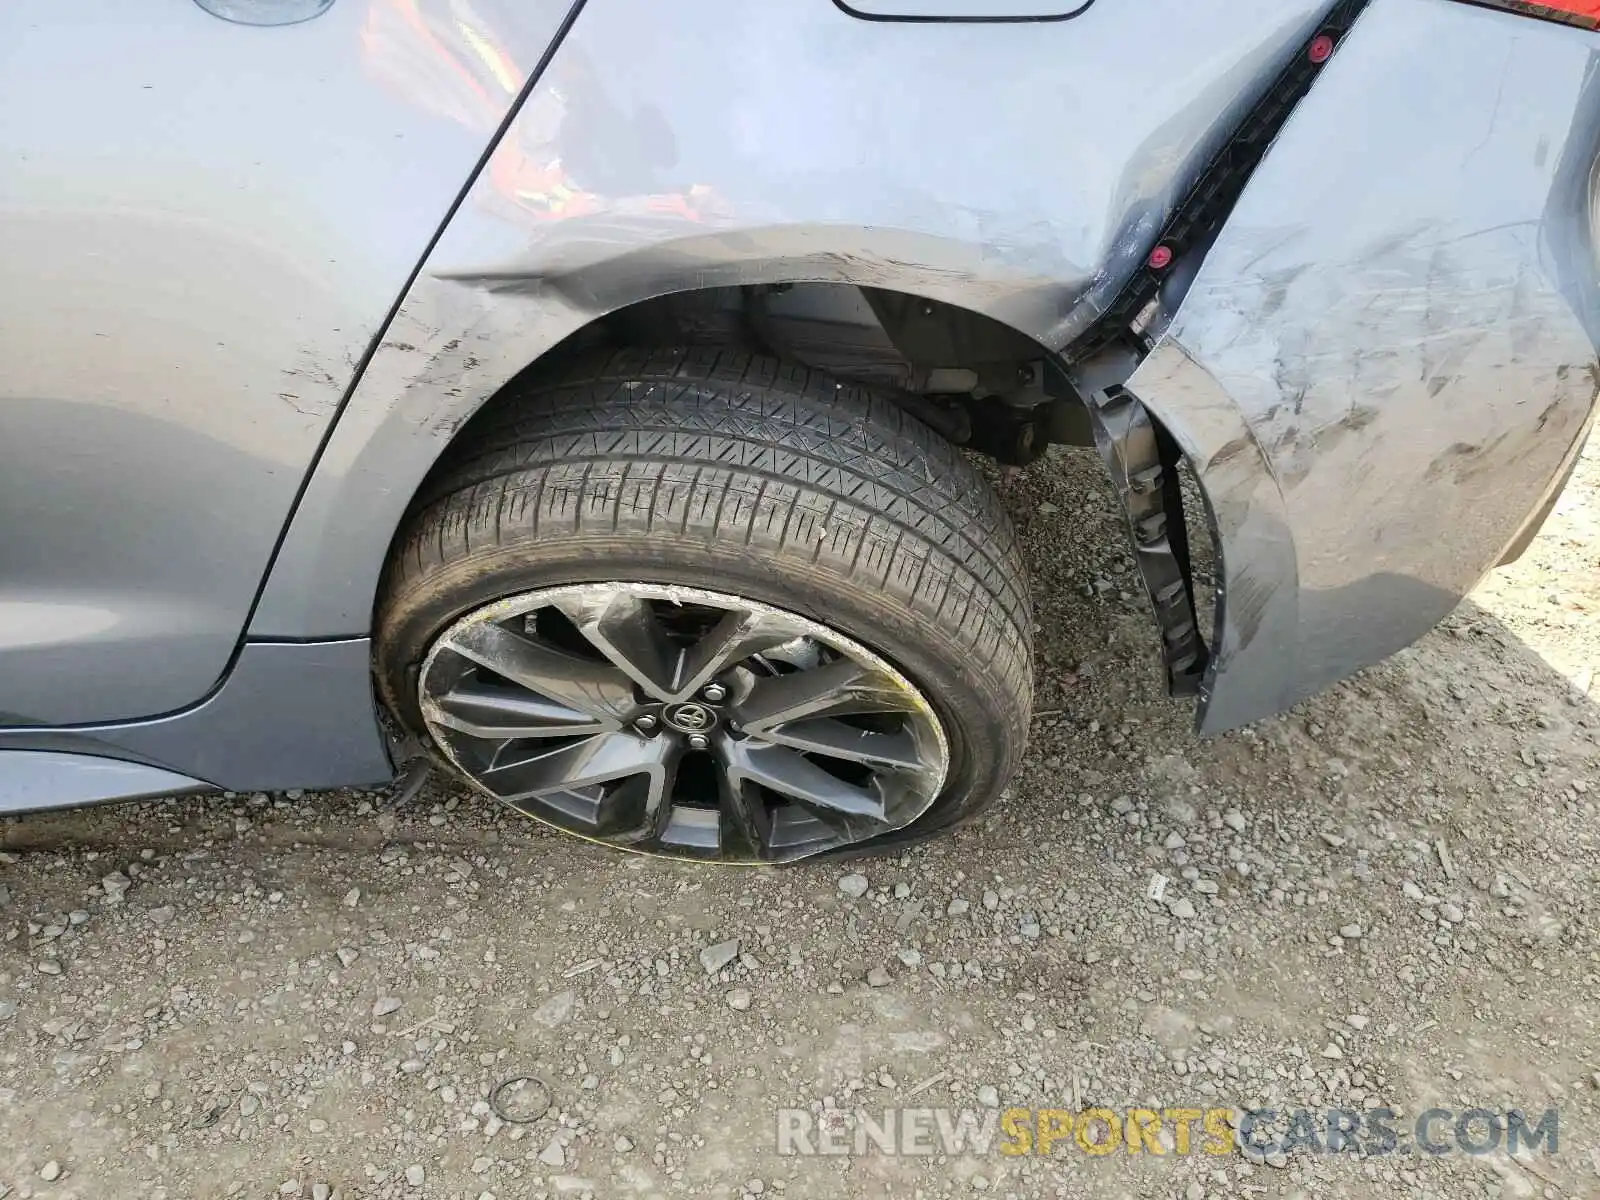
<point>1388,358</point>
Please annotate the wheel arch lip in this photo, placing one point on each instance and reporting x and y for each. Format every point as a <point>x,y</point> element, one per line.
<point>1387,361</point>
<point>460,339</point>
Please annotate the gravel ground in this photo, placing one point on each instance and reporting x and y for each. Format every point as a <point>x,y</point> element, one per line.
<point>1387,897</point>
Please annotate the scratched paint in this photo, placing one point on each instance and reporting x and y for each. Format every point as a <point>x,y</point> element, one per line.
<point>1388,356</point>
<point>1004,169</point>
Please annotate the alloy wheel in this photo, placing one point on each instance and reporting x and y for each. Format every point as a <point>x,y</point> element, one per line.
<point>682,722</point>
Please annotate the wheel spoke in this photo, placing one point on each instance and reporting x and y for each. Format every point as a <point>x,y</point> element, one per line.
<point>790,773</point>
<point>486,711</point>
<point>624,628</point>
<point>736,636</point>
<point>638,811</point>
<point>897,751</point>
<point>537,769</point>
<point>600,691</point>
<point>840,688</point>
<point>746,825</point>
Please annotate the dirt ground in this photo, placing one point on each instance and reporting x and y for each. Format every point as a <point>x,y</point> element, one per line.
<point>1387,898</point>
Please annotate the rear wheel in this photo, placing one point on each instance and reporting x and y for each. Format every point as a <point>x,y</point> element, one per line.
<point>712,606</point>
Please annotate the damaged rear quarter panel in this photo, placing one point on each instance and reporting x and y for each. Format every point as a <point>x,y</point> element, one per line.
<point>1007,168</point>
<point>1388,355</point>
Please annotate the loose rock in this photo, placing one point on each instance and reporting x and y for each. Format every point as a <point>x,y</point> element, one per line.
<point>556,1010</point>
<point>853,885</point>
<point>714,958</point>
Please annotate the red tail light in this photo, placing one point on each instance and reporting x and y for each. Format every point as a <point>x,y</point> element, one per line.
<point>1583,13</point>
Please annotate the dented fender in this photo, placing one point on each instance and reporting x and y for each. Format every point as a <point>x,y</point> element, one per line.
<point>1007,168</point>
<point>1388,358</point>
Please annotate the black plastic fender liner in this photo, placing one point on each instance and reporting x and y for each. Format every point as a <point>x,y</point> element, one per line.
<point>1142,459</point>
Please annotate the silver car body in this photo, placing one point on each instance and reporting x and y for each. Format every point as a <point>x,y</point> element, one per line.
<point>253,278</point>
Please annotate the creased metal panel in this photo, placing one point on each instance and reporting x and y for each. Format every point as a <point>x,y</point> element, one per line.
<point>1019,170</point>
<point>1389,354</point>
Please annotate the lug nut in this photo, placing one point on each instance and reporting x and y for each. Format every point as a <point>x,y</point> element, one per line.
<point>715,692</point>
<point>698,741</point>
<point>645,724</point>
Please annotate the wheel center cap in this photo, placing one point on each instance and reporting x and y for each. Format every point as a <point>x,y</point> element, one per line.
<point>690,717</point>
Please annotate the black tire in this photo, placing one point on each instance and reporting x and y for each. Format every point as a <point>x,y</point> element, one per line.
<point>752,476</point>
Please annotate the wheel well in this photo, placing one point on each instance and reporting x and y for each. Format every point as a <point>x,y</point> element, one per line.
<point>982,384</point>
<point>978,381</point>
